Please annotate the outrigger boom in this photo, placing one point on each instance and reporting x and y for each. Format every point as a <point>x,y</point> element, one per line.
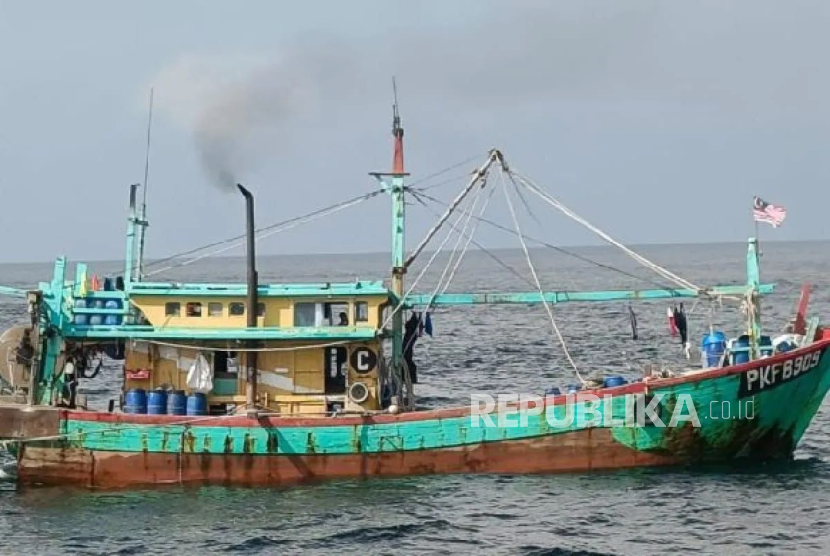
<point>565,296</point>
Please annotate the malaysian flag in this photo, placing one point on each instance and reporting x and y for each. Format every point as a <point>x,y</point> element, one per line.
<point>762,211</point>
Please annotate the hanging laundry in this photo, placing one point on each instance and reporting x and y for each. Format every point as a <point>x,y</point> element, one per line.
<point>682,328</point>
<point>412,329</point>
<point>672,322</point>
<point>200,375</point>
<point>633,320</point>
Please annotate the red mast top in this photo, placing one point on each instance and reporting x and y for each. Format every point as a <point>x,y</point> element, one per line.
<point>397,133</point>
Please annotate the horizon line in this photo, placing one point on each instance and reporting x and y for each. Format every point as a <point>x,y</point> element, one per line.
<point>472,248</point>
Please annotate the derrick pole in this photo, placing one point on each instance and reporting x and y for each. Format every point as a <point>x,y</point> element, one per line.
<point>397,189</point>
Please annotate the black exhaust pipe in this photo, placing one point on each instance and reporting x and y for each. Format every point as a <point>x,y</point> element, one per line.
<point>253,301</point>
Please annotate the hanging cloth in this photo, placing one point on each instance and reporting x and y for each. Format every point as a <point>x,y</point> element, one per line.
<point>672,322</point>
<point>680,322</point>
<point>200,375</point>
<point>683,329</point>
<point>633,319</point>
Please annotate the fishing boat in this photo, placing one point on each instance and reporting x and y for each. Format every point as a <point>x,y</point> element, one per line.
<point>276,384</point>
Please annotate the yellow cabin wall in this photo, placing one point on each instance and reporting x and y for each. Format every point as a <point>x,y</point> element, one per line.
<point>291,381</point>
<point>279,311</point>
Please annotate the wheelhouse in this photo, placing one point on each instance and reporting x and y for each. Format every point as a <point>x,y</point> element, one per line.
<point>319,346</point>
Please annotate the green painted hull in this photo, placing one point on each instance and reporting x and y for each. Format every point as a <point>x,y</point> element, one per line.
<point>758,410</point>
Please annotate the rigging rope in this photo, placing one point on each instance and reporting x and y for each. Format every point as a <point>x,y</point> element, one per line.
<point>478,174</point>
<point>444,171</point>
<point>467,244</point>
<point>562,250</point>
<point>243,349</point>
<point>265,232</point>
<point>265,228</point>
<point>453,226</point>
<point>461,236</point>
<point>473,241</point>
<point>536,278</point>
<point>636,256</point>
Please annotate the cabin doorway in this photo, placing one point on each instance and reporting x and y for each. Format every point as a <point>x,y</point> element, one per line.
<point>225,373</point>
<point>335,370</point>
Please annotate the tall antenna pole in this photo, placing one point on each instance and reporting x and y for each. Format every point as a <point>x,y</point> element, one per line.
<point>397,132</point>
<point>396,190</point>
<point>147,152</point>
<point>143,214</point>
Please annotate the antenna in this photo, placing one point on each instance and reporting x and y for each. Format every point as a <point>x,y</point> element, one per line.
<point>147,152</point>
<point>397,132</point>
<point>396,118</point>
<point>143,215</point>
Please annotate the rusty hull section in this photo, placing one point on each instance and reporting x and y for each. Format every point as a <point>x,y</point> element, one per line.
<point>586,450</point>
<point>18,421</point>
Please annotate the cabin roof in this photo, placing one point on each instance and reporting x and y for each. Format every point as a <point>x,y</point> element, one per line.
<point>329,289</point>
<point>137,332</point>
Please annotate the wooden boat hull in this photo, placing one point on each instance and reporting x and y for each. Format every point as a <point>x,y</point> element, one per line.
<point>116,450</point>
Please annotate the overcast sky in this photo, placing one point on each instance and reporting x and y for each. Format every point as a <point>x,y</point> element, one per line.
<point>657,121</point>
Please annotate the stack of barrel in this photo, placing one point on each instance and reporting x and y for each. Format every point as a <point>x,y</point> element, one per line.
<point>96,319</point>
<point>162,402</point>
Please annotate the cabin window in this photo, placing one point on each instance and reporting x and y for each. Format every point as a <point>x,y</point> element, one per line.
<point>215,309</point>
<point>260,309</point>
<point>335,314</point>
<point>236,309</point>
<point>194,309</point>
<point>361,311</point>
<point>304,314</point>
<point>172,309</point>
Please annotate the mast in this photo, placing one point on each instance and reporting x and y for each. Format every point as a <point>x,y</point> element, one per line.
<point>753,282</point>
<point>253,302</point>
<point>398,248</point>
<point>398,204</point>
<point>396,189</point>
<point>132,220</point>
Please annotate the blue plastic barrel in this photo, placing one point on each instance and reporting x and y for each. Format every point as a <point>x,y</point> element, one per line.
<point>177,403</point>
<point>611,381</point>
<point>157,402</point>
<point>741,356</point>
<point>713,347</point>
<point>80,319</point>
<point>95,320</point>
<point>197,404</point>
<point>553,391</point>
<point>135,401</point>
<point>112,320</point>
<point>571,388</point>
